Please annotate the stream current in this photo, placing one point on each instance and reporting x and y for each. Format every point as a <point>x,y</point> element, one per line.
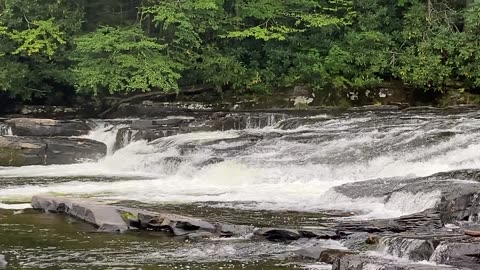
<point>279,175</point>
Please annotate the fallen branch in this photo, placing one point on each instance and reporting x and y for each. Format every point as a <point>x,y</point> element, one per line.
<point>472,233</point>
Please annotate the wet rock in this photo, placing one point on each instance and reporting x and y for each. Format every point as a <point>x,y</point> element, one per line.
<point>278,234</point>
<point>16,151</point>
<point>331,255</point>
<point>461,254</point>
<point>210,161</point>
<point>412,248</point>
<point>231,230</point>
<point>105,217</point>
<point>319,234</point>
<point>47,127</point>
<point>3,261</point>
<point>62,150</point>
<point>318,252</point>
<point>175,224</point>
<point>312,252</point>
<point>454,197</point>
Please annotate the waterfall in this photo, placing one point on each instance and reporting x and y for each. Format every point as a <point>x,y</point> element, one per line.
<point>291,165</point>
<point>5,129</point>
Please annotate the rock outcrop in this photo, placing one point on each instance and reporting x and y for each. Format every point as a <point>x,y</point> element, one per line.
<point>23,151</point>
<point>108,218</point>
<point>436,234</point>
<point>47,127</point>
<point>457,195</point>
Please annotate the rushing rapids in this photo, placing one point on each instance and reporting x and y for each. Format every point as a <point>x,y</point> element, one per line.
<point>307,164</point>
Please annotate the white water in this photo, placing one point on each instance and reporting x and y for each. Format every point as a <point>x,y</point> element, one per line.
<point>283,170</point>
<point>5,129</point>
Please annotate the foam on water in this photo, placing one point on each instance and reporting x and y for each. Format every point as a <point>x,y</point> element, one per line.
<point>5,129</point>
<point>273,168</point>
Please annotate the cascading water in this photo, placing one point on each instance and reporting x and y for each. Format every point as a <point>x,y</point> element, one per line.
<point>277,162</point>
<point>290,166</point>
<point>5,129</point>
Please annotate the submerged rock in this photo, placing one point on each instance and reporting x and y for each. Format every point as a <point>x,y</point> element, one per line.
<point>47,127</point>
<point>24,151</point>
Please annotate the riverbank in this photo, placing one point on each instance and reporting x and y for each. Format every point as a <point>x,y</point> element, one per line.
<point>203,99</point>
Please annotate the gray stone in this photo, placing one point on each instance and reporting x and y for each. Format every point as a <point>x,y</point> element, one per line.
<point>105,217</point>
<point>278,234</point>
<point>16,151</point>
<point>47,127</point>
<point>319,233</point>
<point>331,255</point>
<point>62,150</point>
<point>459,193</point>
<point>461,254</point>
<point>23,151</point>
<point>230,230</point>
<point>412,248</point>
<point>311,252</point>
<point>176,224</point>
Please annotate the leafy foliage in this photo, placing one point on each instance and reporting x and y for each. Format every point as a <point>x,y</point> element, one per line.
<point>122,59</point>
<point>121,46</point>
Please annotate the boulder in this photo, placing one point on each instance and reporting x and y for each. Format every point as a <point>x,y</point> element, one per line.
<point>16,151</point>
<point>62,150</point>
<point>455,195</point>
<point>412,248</point>
<point>24,151</point>
<point>47,127</point>
<point>460,254</point>
<point>278,234</point>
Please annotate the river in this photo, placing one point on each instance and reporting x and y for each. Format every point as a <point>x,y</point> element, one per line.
<point>277,175</point>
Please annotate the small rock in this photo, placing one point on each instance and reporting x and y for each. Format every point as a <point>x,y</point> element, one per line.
<point>331,255</point>
<point>372,240</point>
<point>278,234</point>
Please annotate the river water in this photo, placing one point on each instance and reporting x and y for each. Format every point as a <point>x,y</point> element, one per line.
<point>283,172</point>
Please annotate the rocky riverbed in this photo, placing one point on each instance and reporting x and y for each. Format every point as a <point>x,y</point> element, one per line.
<point>364,189</point>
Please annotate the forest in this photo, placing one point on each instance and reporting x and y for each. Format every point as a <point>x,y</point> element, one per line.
<point>111,47</point>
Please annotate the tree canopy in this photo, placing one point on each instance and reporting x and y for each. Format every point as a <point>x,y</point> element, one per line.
<point>118,46</point>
